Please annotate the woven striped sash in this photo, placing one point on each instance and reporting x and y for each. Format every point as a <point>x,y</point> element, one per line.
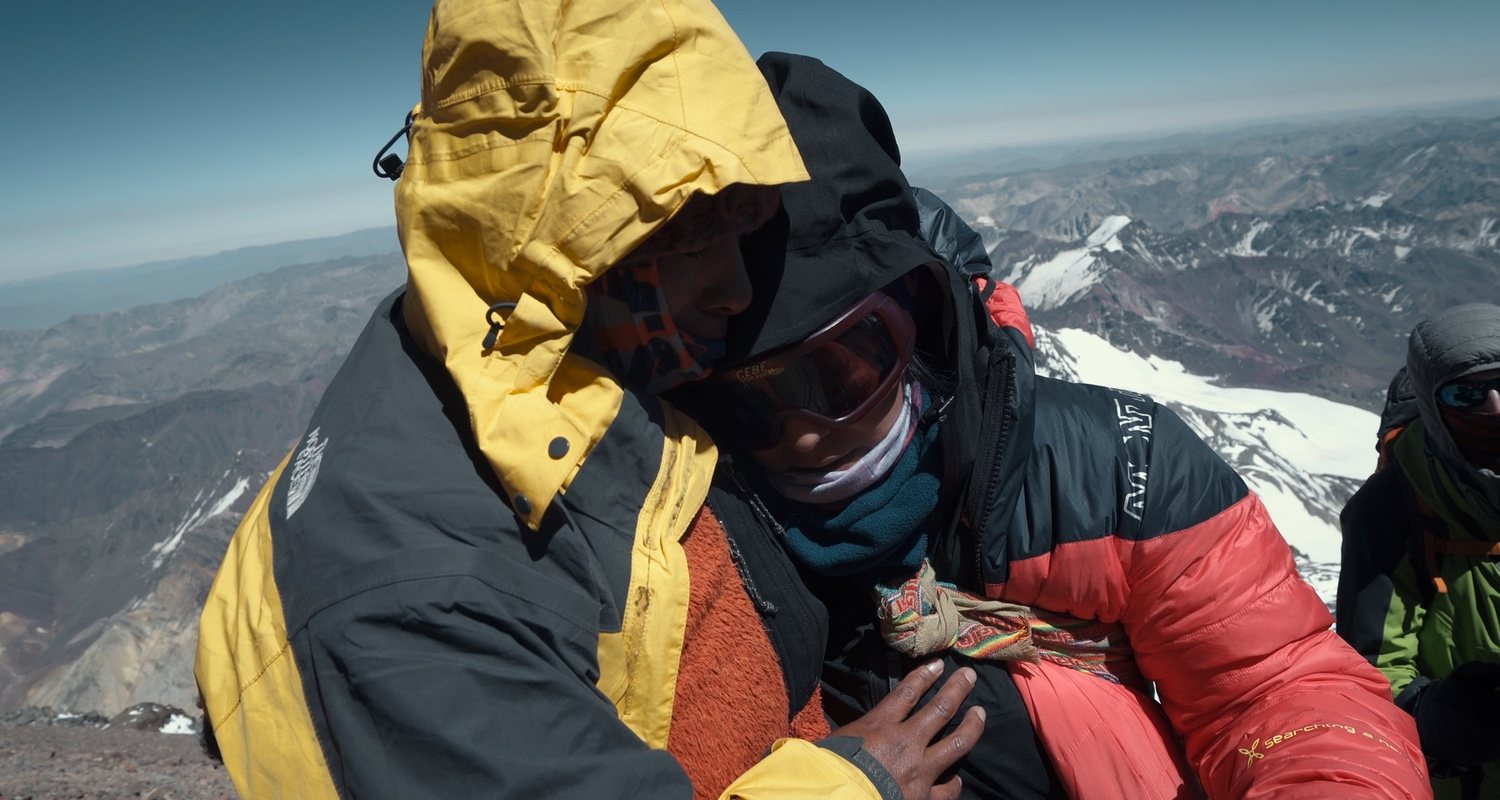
<point>922,616</point>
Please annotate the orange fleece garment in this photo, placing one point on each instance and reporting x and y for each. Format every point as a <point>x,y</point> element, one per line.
<point>731,701</point>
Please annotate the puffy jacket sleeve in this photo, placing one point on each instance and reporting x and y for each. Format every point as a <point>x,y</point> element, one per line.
<point>1268,700</point>
<point>952,239</point>
<point>949,236</point>
<point>457,687</point>
<point>1380,606</point>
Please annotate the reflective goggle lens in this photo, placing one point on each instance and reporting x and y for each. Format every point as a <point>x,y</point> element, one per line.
<point>836,376</point>
<point>1467,394</point>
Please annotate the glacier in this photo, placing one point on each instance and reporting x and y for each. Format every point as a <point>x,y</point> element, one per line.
<point>1303,455</point>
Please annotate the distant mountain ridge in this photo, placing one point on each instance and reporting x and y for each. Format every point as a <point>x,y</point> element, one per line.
<point>1318,301</point>
<point>1287,137</point>
<point>38,302</point>
<point>1299,272</point>
<point>1449,166</point>
<point>130,443</point>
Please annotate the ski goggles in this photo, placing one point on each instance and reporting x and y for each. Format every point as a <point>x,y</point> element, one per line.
<point>1467,395</point>
<point>833,378</point>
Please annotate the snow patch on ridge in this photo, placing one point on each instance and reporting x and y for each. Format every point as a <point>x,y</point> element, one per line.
<point>1243,247</point>
<point>1107,230</point>
<point>1070,273</point>
<point>1302,455</point>
<point>1265,310</point>
<point>179,724</point>
<point>199,515</point>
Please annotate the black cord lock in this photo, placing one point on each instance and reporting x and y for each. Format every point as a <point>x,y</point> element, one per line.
<point>496,323</point>
<point>388,164</point>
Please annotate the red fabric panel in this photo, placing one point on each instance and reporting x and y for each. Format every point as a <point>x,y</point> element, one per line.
<point>1268,700</point>
<point>1091,582</point>
<point>1106,741</point>
<point>1006,309</point>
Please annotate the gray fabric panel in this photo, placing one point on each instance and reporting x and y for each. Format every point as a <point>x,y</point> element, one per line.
<point>445,650</point>
<point>460,687</point>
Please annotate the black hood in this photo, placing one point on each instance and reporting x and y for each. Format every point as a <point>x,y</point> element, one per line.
<point>839,237</point>
<point>855,228</point>
<point>1456,342</point>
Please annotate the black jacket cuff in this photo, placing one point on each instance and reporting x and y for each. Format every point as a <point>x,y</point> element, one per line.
<point>852,749</point>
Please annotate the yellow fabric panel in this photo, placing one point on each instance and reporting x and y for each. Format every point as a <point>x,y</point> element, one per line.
<point>552,139</point>
<point>638,666</point>
<point>798,769</point>
<point>252,692</point>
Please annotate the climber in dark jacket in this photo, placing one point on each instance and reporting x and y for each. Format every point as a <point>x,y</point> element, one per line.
<point>1419,583</point>
<point>885,415</point>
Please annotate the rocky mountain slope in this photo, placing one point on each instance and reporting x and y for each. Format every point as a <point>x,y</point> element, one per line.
<point>131,443</point>
<point>1265,292</point>
<point>1302,271</point>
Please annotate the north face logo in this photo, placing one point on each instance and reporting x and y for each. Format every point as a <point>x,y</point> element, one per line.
<point>304,471</point>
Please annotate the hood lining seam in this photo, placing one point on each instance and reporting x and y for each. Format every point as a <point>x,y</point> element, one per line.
<point>491,87</point>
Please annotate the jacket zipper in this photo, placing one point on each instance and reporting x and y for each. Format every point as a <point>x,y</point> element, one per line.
<point>993,442</point>
<point>779,573</point>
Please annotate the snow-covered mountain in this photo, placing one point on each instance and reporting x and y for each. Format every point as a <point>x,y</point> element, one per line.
<point>1303,455</point>
<point>1264,287</point>
<point>1315,300</point>
<point>1049,280</point>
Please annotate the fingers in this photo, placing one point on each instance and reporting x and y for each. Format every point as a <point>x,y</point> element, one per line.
<point>947,790</point>
<point>900,702</point>
<point>933,716</point>
<point>948,750</point>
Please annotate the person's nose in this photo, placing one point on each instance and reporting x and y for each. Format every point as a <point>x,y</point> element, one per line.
<point>726,287</point>
<point>802,435</point>
<point>1491,402</point>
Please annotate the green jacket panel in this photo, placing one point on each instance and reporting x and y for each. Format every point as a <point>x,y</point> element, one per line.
<point>1414,611</point>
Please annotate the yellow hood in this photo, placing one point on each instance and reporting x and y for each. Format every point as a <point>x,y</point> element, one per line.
<point>551,139</point>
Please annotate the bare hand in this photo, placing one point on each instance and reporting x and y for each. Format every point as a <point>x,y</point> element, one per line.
<point>899,734</point>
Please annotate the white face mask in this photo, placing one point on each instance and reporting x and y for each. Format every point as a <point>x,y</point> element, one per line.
<point>808,486</point>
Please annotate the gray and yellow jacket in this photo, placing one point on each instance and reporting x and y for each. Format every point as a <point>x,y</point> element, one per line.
<point>468,578</point>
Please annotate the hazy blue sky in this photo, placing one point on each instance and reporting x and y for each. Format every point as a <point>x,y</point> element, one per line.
<point>148,130</point>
